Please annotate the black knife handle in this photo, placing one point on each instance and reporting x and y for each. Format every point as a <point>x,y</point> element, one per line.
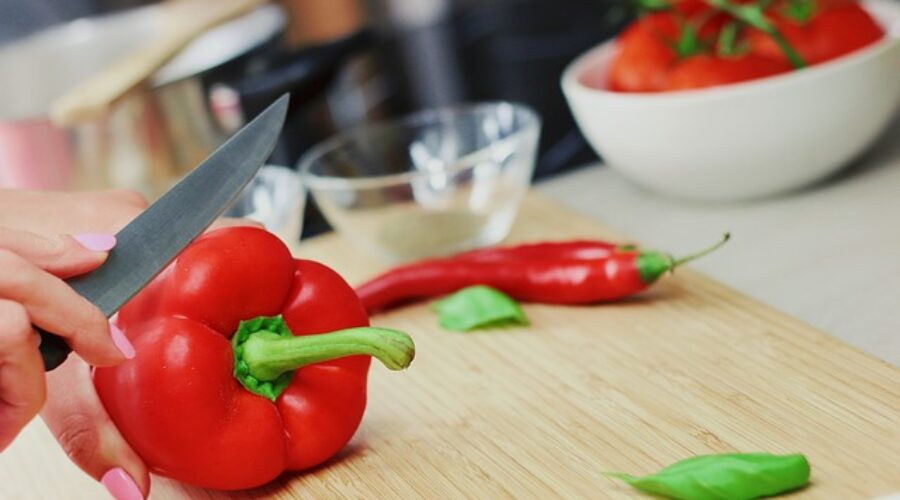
<point>54,350</point>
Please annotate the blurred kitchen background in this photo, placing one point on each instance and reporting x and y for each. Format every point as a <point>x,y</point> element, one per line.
<point>351,61</point>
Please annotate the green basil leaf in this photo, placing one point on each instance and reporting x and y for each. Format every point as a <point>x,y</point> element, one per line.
<point>478,307</point>
<point>729,476</point>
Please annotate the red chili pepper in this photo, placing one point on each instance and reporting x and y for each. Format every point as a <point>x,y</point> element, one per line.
<point>233,415</point>
<point>552,281</point>
<point>549,250</point>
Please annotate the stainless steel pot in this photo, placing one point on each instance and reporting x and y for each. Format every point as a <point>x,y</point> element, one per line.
<point>154,135</point>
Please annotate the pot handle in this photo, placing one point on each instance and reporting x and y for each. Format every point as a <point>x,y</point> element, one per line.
<point>304,74</point>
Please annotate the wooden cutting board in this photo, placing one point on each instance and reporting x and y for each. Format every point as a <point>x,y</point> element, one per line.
<point>691,367</point>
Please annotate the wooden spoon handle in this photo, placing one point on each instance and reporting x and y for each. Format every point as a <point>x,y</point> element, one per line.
<point>183,20</point>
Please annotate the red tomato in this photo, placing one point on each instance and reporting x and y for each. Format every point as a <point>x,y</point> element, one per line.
<point>709,71</point>
<point>690,7</point>
<point>643,58</point>
<point>837,30</point>
<point>647,61</point>
<point>645,52</point>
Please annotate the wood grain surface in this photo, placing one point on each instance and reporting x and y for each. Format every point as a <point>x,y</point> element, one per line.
<point>689,368</point>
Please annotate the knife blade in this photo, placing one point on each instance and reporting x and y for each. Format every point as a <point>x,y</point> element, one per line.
<point>152,240</point>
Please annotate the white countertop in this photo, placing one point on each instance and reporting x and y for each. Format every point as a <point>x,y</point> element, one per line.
<point>829,254</point>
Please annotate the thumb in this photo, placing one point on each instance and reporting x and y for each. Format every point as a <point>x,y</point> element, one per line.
<point>77,419</point>
<point>64,256</point>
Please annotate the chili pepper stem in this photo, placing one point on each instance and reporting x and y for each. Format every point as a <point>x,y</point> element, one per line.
<point>266,353</point>
<point>696,255</point>
<point>652,265</point>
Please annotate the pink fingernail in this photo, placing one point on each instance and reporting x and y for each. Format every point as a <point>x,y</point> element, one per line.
<point>120,485</point>
<point>97,242</point>
<point>121,341</point>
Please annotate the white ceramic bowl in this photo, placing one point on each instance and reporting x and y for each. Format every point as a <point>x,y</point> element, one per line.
<point>749,139</point>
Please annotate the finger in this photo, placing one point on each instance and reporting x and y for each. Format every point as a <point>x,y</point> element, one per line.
<point>75,415</point>
<point>62,256</point>
<point>82,211</point>
<point>128,197</point>
<point>231,222</point>
<point>107,211</point>
<point>22,390</point>
<point>55,307</point>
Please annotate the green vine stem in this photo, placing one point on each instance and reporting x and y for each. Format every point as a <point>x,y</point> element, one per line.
<point>753,15</point>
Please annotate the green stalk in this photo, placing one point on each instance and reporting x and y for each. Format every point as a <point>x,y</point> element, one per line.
<point>727,42</point>
<point>651,265</point>
<point>754,16</point>
<point>266,353</point>
<point>268,357</point>
<point>653,5</point>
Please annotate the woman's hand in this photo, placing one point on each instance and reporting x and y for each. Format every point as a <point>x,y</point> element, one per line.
<point>33,293</point>
<point>73,411</point>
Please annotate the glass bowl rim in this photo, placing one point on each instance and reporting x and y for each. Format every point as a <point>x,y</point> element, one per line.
<point>531,123</point>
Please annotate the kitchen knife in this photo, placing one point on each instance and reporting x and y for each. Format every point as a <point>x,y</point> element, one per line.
<point>152,240</point>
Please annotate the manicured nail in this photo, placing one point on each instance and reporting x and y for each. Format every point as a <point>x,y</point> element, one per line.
<point>97,242</point>
<point>120,485</point>
<point>121,341</point>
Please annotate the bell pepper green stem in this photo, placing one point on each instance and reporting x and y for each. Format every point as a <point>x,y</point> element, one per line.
<point>268,356</point>
<point>753,15</point>
<point>266,353</point>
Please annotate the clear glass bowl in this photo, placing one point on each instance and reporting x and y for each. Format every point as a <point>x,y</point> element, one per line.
<point>276,199</point>
<point>432,183</point>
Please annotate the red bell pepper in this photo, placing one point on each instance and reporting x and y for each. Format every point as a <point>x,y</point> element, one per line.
<point>281,395</point>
